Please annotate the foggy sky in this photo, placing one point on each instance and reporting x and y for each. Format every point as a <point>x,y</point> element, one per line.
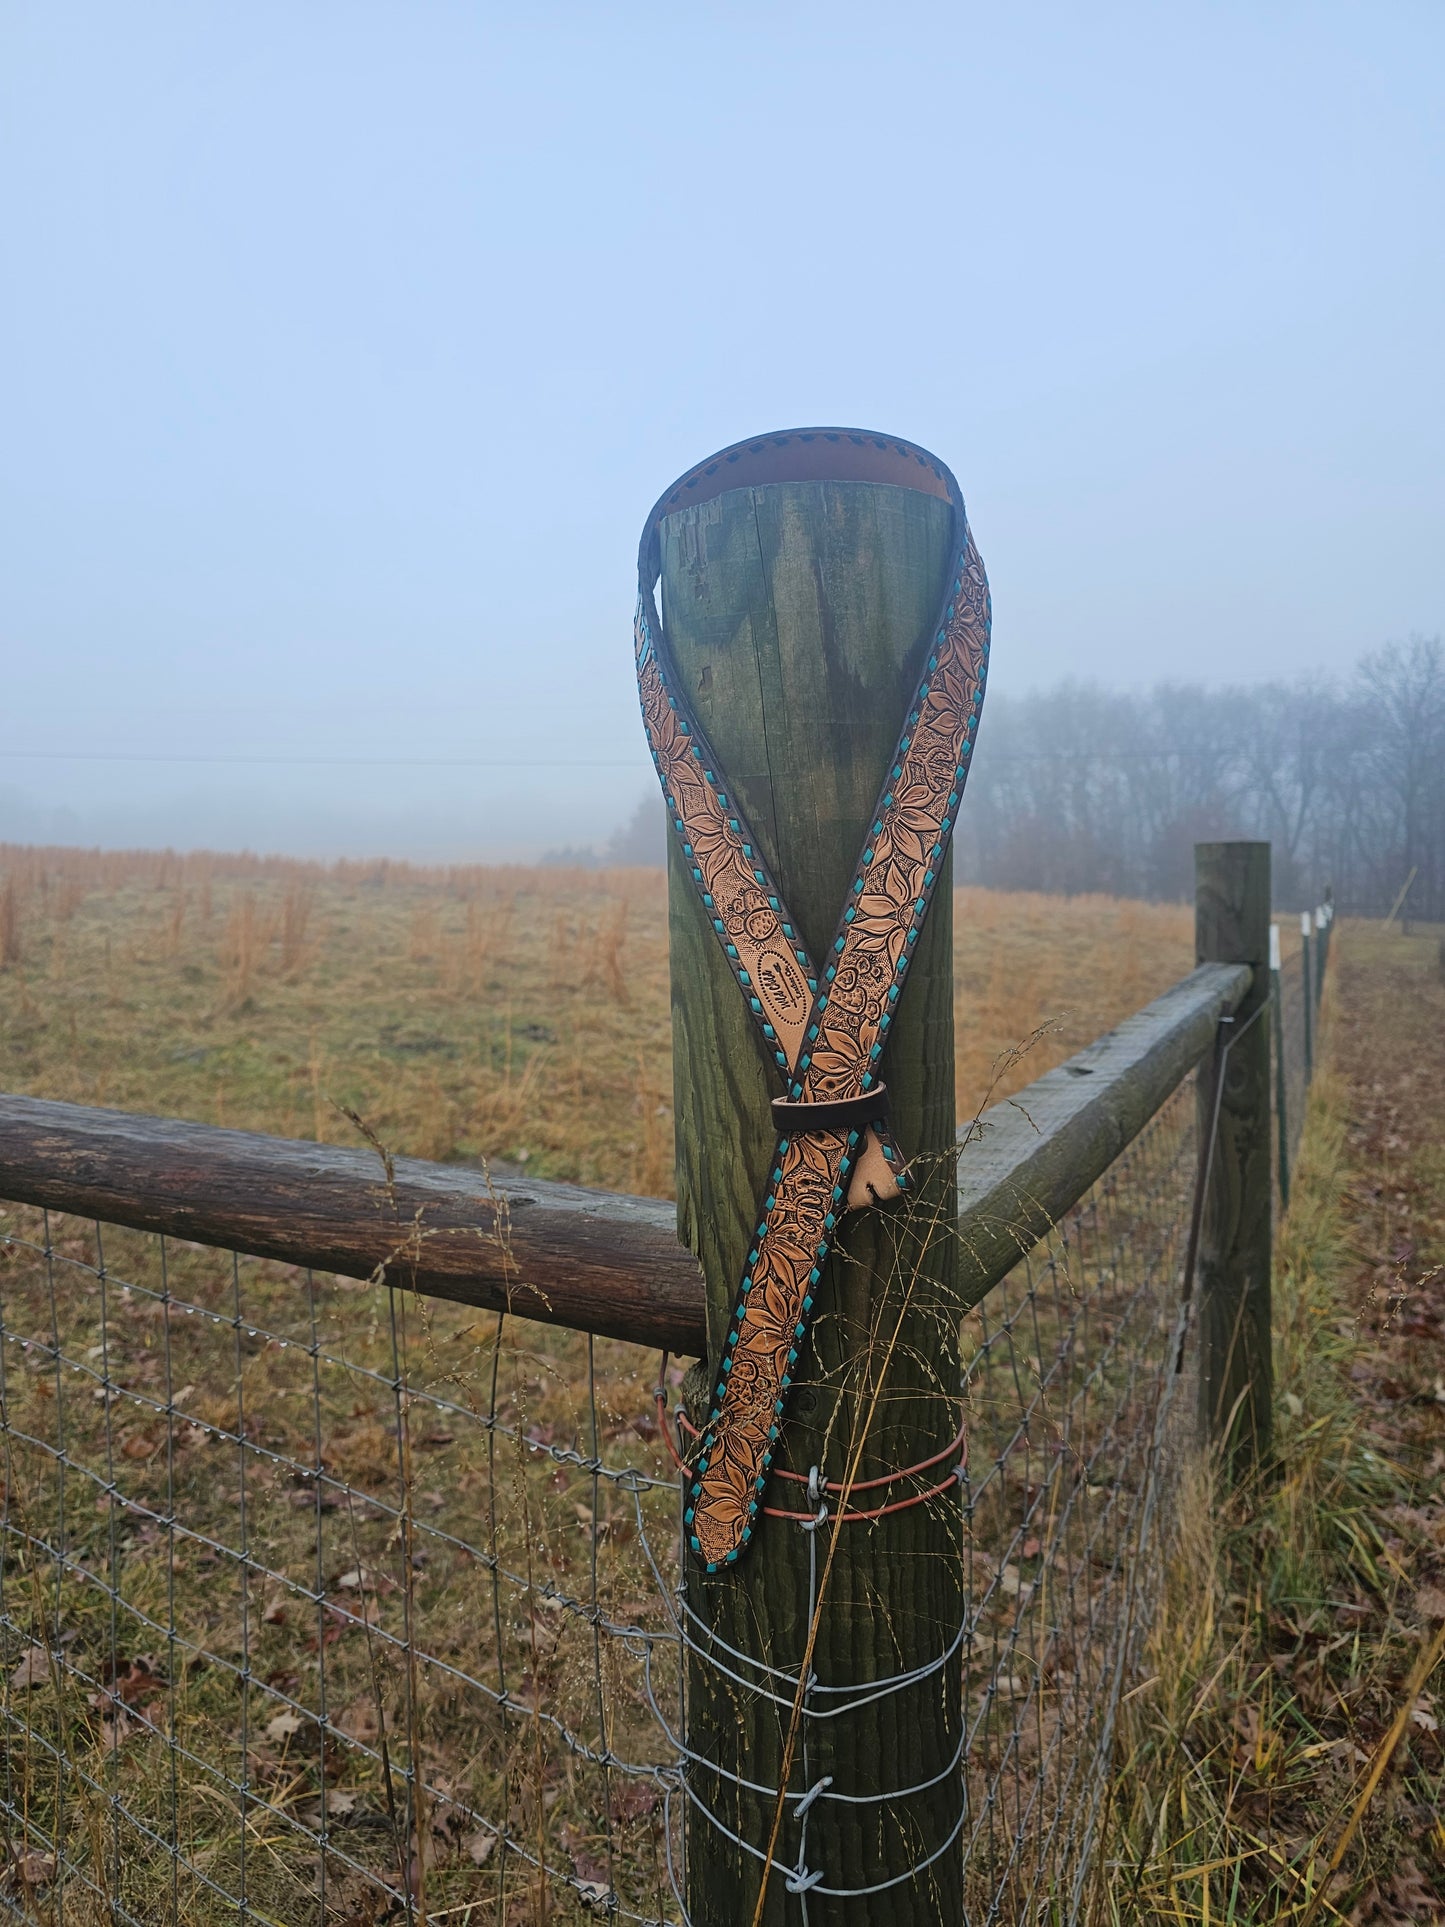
<point>346,347</point>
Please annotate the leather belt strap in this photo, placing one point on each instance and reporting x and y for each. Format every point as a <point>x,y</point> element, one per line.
<point>824,1028</point>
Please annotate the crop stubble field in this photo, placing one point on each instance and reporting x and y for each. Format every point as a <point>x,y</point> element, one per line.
<point>512,1015</point>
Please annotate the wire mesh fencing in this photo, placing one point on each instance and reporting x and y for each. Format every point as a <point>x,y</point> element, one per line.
<point>1074,1387</point>
<point>1298,984</point>
<point>321,1602</point>
<point>1290,1055</point>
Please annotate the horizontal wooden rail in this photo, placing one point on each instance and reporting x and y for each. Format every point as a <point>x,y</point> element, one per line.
<point>1037,1153</point>
<point>592,1260</point>
<point>588,1259</point>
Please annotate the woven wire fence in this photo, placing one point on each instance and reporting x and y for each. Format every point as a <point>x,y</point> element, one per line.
<point>1295,1036</point>
<point>1289,1047</point>
<point>320,1602</point>
<point>1074,1383</point>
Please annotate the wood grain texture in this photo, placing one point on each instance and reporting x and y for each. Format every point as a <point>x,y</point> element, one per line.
<point>555,1252</point>
<point>799,615</point>
<point>1236,1388</point>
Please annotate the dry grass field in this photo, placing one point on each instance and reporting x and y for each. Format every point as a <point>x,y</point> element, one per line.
<point>495,1014</point>
<point>464,1013</point>
<point>482,1014</point>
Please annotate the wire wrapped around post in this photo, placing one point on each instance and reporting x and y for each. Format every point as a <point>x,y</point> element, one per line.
<point>805,580</point>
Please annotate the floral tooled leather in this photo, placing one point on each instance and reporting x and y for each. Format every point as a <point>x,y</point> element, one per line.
<point>825,1029</point>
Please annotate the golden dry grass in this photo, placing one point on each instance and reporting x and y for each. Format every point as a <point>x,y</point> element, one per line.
<point>467,1014</point>
<point>518,1014</point>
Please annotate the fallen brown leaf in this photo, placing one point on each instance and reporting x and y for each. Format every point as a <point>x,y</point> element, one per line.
<point>633,1799</point>
<point>34,1668</point>
<point>34,1869</point>
<point>116,1727</point>
<point>310,1498</point>
<point>134,1680</point>
<point>359,1722</point>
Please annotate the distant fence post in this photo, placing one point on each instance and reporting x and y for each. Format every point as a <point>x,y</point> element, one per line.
<point>1307,999</point>
<point>1233,1266</point>
<point>1281,1107</point>
<point>1404,891</point>
<point>799,615</point>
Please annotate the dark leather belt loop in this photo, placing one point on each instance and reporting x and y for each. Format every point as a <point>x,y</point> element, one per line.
<point>841,1113</point>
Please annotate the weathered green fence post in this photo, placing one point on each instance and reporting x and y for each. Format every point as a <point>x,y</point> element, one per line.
<point>1281,1108</point>
<point>1307,990</point>
<point>1231,925</point>
<point>799,614</point>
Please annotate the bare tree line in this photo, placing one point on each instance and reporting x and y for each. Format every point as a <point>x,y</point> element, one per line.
<point>1080,788</point>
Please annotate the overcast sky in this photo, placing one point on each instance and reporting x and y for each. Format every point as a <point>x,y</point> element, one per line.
<point>345,347</point>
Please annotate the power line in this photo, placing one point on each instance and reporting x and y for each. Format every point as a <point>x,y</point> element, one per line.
<point>1091,758</point>
<point>324,762</point>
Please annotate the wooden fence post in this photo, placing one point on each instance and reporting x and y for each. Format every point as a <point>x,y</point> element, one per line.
<point>799,615</point>
<point>1404,891</point>
<point>1233,1268</point>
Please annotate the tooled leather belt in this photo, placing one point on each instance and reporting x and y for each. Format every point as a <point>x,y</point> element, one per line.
<point>834,1151</point>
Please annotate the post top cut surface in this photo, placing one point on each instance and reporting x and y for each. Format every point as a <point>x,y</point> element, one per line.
<point>801,455</point>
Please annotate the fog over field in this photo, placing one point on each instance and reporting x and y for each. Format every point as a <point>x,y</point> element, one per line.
<point>367,1531</point>
<point>349,349</point>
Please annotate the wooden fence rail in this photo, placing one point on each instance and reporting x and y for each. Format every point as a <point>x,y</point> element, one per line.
<point>592,1260</point>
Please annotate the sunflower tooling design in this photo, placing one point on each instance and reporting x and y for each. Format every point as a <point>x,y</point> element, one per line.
<point>823,1025</point>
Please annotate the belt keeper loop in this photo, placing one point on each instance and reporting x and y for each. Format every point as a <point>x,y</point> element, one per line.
<point>832,1113</point>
